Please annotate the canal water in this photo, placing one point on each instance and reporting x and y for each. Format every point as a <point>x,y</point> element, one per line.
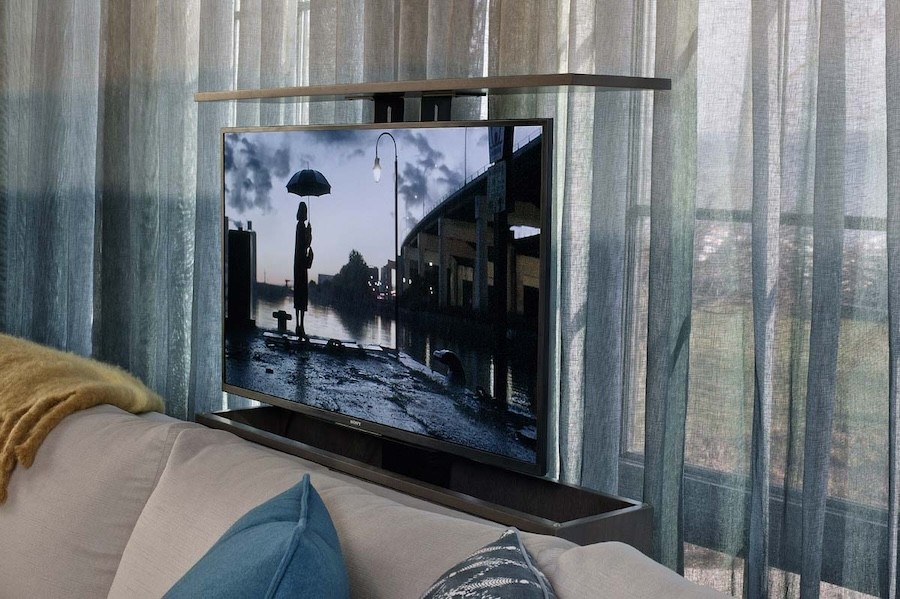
<point>420,338</point>
<point>330,323</point>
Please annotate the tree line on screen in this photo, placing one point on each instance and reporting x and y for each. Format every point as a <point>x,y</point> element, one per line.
<point>356,283</point>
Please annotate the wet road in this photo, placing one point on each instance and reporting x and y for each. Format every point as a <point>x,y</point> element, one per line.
<point>378,387</point>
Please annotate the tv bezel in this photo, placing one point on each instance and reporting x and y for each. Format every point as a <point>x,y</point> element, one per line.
<point>542,412</point>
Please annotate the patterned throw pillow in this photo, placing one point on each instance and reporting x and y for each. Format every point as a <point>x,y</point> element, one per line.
<point>500,570</point>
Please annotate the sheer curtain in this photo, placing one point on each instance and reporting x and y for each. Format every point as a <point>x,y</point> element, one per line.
<point>726,265</point>
<point>785,396</point>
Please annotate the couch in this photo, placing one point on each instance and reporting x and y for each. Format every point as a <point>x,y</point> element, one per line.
<point>121,505</point>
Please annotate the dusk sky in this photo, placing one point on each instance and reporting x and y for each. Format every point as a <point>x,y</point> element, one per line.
<point>358,213</point>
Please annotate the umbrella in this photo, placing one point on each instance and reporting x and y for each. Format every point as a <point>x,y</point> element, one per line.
<point>308,182</point>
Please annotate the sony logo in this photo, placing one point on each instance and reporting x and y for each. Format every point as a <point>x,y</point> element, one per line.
<point>355,422</point>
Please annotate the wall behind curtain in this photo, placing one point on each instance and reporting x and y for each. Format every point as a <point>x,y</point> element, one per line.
<point>741,223</point>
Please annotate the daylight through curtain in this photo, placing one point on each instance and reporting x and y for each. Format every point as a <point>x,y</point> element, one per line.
<point>725,288</point>
<point>786,487</point>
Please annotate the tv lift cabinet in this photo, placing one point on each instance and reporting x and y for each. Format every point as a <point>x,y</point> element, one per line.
<point>530,503</point>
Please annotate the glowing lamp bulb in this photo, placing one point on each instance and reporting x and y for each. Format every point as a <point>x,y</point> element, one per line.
<point>376,170</point>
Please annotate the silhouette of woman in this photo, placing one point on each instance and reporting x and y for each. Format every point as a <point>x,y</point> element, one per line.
<point>303,257</point>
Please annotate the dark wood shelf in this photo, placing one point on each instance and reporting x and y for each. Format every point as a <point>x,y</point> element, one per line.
<point>530,503</point>
<point>508,84</point>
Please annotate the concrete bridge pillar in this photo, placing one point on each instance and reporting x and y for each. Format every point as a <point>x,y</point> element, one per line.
<point>482,240</point>
<point>443,264</point>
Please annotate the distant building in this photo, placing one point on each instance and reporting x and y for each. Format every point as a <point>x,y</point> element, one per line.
<point>387,274</point>
<point>324,278</point>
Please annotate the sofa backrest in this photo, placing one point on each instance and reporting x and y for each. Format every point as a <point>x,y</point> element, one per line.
<point>391,548</point>
<point>69,516</point>
<point>123,505</point>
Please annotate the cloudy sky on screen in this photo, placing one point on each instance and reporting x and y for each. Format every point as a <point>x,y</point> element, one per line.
<point>358,213</point>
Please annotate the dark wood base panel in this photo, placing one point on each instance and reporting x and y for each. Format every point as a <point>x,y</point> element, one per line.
<point>530,503</point>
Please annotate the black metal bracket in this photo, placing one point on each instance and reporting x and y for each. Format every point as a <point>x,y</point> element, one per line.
<point>436,108</point>
<point>388,108</point>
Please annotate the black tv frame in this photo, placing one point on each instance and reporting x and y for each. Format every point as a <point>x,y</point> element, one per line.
<point>401,436</point>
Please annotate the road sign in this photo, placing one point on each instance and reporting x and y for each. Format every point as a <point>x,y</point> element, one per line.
<point>495,143</point>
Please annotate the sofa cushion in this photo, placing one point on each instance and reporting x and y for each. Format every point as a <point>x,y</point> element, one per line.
<point>213,478</point>
<point>499,570</point>
<point>286,547</point>
<point>615,569</point>
<point>390,548</point>
<point>70,515</point>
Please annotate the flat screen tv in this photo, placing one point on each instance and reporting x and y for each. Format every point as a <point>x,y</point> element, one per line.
<point>392,278</point>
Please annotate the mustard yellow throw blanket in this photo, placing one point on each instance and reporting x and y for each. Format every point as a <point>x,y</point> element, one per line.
<point>40,386</point>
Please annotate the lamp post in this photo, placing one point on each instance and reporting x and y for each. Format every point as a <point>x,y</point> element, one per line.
<point>376,172</point>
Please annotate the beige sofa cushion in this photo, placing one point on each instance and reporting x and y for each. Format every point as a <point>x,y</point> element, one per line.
<point>205,487</point>
<point>68,517</point>
<point>128,504</point>
<point>395,546</point>
<point>620,571</point>
<point>391,549</point>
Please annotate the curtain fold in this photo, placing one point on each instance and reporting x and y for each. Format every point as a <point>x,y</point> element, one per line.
<point>766,80</point>
<point>337,55</point>
<point>725,266</point>
<point>575,246</point>
<point>670,276</point>
<point>216,66</point>
<point>144,267</point>
<point>616,130</point>
<point>47,146</point>
<point>5,198</point>
<point>892,102</point>
<point>825,318</point>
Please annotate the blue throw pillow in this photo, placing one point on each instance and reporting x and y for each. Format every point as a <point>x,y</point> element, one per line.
<point>286,547</point>
<point>500,570</point>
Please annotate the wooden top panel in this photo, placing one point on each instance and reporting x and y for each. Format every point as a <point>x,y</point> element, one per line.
<point>504,84</point>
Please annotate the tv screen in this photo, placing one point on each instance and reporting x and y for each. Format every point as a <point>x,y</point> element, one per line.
<point>392,278</point>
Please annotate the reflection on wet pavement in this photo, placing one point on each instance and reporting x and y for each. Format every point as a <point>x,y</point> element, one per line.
<point>376,386</point>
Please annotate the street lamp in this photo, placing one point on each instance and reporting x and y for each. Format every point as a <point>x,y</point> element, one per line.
<point>376,172</point>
